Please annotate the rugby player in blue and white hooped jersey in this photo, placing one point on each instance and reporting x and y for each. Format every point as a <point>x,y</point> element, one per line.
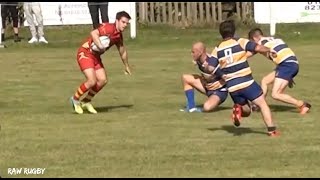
<point>210,81</point>
<point>232,54</point>
<point>287,67</point>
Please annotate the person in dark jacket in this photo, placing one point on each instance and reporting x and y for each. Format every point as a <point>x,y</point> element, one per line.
<point>12,9</point>
<point>94,12</point>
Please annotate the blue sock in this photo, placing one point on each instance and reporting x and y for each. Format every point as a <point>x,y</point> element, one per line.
<point>190,98</point>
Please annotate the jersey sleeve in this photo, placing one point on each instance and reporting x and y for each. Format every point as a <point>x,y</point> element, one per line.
<point>213,61</point>
<point>247,45</point>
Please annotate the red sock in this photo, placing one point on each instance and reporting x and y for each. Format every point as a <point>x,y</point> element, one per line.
<point>92,92</point>
<point>81,90</point>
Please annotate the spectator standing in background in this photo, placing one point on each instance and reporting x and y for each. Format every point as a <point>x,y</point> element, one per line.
<point>94,12</point>
<point>31,8</point>
<point>12,8</point>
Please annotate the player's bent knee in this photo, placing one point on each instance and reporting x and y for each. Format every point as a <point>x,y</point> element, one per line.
<point>265,81</point>
<point>211,104</point>
<point>91,82</point>
<point>275,95</point>
<point>185,77</point>
<point>102,82</point>
<point>246,111</point>
<point>208,107</point>
<point>261,102</point>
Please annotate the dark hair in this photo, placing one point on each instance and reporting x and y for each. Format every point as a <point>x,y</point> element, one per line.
<point>253,32</point>
<point>227,29</point>
<point>122,14</point>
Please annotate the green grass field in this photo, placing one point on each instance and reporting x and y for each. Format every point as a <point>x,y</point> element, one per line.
<point>139,131</point>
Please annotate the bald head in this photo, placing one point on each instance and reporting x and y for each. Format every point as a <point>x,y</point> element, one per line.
<point>198,50</point>
<point>199,46</point>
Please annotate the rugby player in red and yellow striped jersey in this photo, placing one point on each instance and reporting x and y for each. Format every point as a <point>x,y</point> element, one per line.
<point>91,65</point>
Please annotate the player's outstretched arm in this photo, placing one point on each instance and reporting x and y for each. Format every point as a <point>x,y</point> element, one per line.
<point>265,50</point>
<point>251,47</point>
<point>95,37</point>
<point>124,57</point>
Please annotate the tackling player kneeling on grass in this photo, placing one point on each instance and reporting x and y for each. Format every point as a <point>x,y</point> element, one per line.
<point>91,64</point>
<point>210,81</point>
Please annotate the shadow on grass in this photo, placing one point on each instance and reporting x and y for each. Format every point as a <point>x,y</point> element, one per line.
<point>11,37</point>
<point>282,108</point>
<point>219,108</point>
<point>109,108</point>
<point>236,131</point>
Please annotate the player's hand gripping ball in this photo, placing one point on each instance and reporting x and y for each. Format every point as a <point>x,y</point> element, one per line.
<point>105,41</point>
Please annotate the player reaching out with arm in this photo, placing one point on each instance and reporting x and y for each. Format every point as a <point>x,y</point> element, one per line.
<point>95,34</point>
<point>232,54</point>
<point>124,57</point>
<point>91,64</point>
<point>287,67</point>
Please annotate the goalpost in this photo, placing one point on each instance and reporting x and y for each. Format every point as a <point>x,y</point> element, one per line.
<point>133,23</point>
<point>272,19</point>
<point>1,45</point>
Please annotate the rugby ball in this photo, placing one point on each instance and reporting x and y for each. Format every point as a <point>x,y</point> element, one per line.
<point>105,41</point>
